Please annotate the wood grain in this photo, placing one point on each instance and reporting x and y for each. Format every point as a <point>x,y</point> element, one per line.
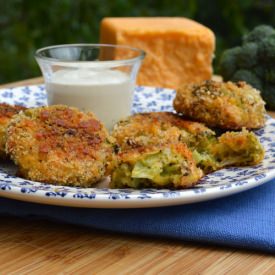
<point>38,247</point>
<point>44,247</point>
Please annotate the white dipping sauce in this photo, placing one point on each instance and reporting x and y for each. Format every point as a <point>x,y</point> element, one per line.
<point>107,93</point>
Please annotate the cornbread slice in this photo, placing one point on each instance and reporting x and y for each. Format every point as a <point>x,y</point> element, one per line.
<point>178,50</point>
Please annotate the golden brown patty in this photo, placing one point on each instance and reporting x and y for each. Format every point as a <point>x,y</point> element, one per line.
<point>6,113</point>
<point>224,105</point>
<point>59,144</point>
<point>153,151</point>
<point>157,128</point>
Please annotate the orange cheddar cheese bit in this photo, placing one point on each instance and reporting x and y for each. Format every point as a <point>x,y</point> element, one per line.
<point>178,50</point>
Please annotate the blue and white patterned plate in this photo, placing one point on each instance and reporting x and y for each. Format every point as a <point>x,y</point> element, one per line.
<point>219,184</point>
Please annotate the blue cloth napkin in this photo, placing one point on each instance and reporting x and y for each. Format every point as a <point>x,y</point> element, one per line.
<point>245,220</point>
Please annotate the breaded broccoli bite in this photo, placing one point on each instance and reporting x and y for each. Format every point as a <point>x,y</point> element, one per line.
<point>166,166</point>
<point>224,105</point>
<point>238,149</point>
<point>59,145</point>
<point>209,152</point>
<point>6,113</point>
<point>230,149</point>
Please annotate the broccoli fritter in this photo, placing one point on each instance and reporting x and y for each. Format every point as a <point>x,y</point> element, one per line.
<point>230,149</point>
<point>142,131</point>
<point>166,166</point>
<point>253,62</point>
<point>60,145</point>
<point>224,105</point>
<point>153,151</point>
<point>6,113</point>
<point>237,149</point>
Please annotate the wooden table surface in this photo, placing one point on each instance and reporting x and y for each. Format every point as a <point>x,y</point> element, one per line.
<point>42,247</point>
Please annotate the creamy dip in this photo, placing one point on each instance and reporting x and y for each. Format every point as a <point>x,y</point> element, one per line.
<point>107,93</point>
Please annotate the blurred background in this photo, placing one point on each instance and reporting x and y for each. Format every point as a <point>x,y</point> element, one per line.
<point>26,25</point>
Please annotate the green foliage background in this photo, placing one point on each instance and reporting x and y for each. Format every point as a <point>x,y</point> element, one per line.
<point>26,25</point>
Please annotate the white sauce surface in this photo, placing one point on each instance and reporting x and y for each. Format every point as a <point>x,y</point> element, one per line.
<point>107,93</point>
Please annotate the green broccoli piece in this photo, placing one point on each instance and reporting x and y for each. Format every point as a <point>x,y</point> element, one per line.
<point>246,57</point>
<point>228,64</point>
<point>258,34</point>
<point>259,71</point>
<point>253,62</point>
<point>267,49</point>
